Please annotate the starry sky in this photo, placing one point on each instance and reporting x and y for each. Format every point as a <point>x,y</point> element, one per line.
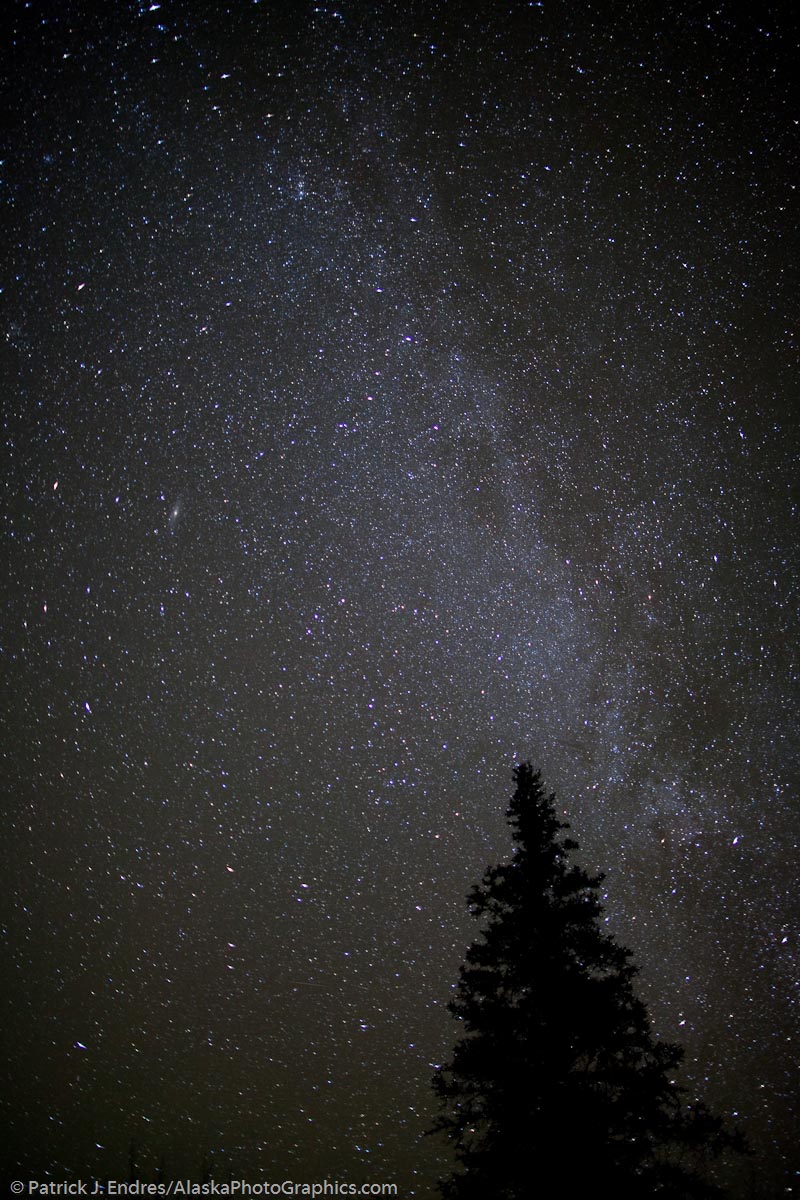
<point>392,391</point>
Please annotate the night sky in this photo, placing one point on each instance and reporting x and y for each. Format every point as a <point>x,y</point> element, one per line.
<point>390,392</point>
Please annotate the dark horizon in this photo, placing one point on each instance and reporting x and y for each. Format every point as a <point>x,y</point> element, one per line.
<point>393,395</point>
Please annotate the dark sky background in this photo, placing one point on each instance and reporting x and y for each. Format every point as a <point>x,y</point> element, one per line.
<point>388,395</point>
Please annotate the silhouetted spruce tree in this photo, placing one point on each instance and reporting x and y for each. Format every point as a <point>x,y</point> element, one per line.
<point>558,1072</point>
